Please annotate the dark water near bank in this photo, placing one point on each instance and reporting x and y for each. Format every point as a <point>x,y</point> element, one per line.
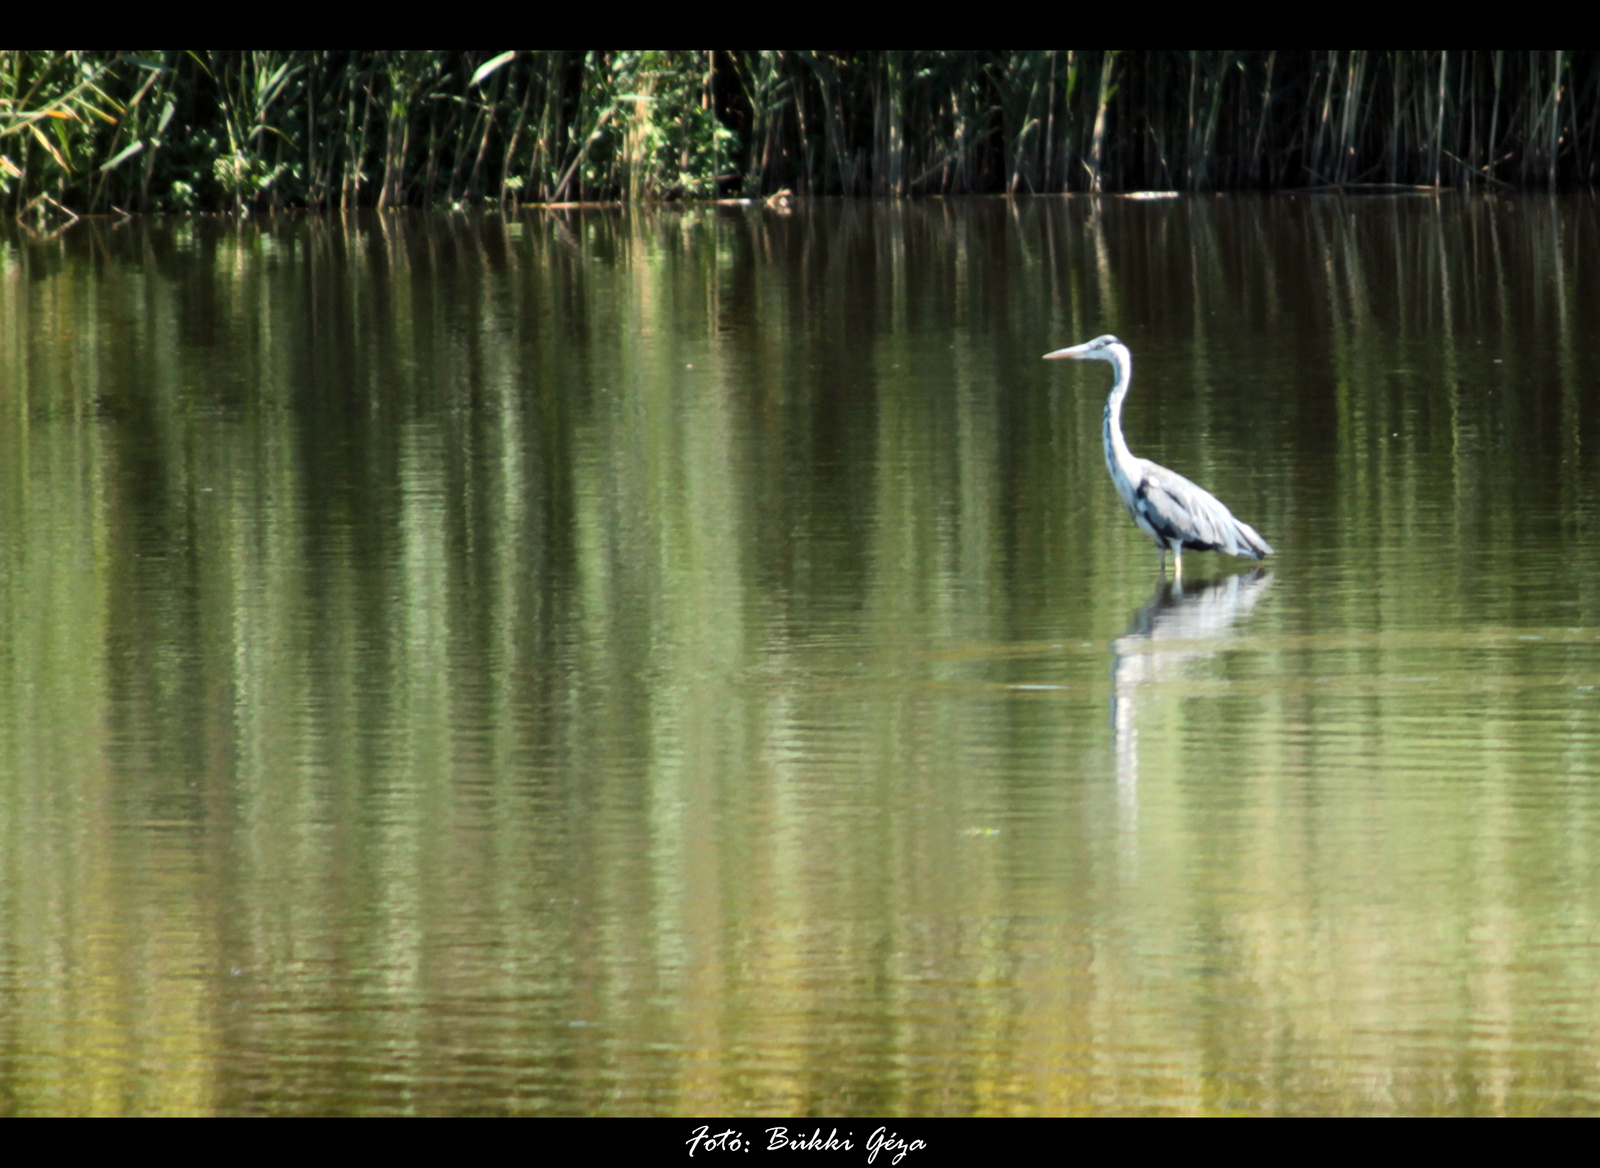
<point>694,661</point>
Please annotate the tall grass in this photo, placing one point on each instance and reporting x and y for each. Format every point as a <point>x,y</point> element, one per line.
<point>95,132</point>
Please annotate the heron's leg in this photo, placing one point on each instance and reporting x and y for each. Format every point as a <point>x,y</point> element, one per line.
<point>1177,564</point>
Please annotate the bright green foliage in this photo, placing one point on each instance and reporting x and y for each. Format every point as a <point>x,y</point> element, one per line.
<point>241,131</point>
<point>668,140</point>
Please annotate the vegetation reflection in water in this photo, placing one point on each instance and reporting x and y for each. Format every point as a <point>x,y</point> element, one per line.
<point>658,662</point>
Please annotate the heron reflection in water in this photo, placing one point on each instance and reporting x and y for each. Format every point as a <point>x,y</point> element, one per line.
<point>1174,632</point>
<point>1168,508</point>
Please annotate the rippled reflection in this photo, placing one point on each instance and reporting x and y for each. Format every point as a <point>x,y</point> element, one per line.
<point>654,661</point>
<point>1177,629</point>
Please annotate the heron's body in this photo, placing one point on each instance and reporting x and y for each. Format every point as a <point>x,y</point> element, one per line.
<point>1167,507</point>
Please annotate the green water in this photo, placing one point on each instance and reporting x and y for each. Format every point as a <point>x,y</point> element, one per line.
<point>693,661</point>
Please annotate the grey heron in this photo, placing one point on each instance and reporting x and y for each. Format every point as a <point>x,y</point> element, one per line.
<point>1168,508</point>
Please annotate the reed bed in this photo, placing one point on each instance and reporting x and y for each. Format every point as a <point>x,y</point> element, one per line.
<point>107,132</point>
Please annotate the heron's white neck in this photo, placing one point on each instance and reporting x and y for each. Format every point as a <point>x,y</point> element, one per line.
<point>1119,459</point>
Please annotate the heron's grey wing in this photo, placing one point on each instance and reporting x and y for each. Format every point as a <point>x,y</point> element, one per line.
<point>1180,510</point>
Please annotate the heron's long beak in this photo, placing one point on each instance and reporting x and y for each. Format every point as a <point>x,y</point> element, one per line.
<point>1075,351</point>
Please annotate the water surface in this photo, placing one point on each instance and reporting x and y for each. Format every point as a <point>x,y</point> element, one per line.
<point>684,661</point>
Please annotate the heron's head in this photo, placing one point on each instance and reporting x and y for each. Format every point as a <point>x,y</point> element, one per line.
<point>1095,350</point>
